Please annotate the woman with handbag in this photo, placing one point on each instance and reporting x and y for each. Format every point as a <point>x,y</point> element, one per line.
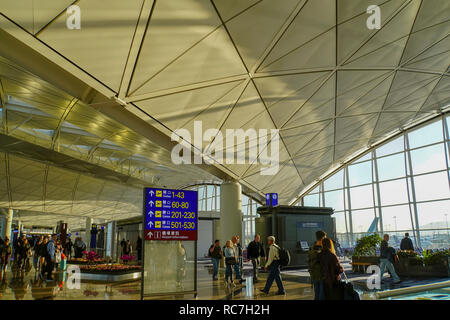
<point>331,271</point>
<point>230,261</point>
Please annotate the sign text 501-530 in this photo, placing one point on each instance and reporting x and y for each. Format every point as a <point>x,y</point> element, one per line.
<point>170,214</point>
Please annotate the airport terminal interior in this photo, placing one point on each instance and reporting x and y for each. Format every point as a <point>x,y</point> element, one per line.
<point>134,134</point>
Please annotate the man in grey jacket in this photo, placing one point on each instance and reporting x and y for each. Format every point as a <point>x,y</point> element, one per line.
<point>386,259</point>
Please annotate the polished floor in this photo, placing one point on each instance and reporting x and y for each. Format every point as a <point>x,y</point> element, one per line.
<point>31,287</point>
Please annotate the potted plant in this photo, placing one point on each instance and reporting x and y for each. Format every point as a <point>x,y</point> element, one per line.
<point>364,253</point>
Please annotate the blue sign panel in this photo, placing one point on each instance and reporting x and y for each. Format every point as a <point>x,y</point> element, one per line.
<point>318,225</point>
<point>271,199</point>
<point>170,214</point>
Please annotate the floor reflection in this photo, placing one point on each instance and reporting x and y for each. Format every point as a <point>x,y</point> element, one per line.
<point>29,286</point>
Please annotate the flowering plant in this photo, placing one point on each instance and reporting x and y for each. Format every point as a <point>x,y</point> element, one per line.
<point>91,255</point>
<point>127,257</point>
<point>109,268</point>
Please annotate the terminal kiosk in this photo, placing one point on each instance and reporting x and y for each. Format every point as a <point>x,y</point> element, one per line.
<point>294,228</point>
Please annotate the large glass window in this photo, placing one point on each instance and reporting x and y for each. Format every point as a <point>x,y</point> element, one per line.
<point>393,192</point>
<point>404,176</point>
<point>432,186</point>
<point>426,135</point>
<point>391,167</point>
<point>340,222</point>
<point>334,182</point>
<point>434,215</point>
<point>311,200</point>
<point>428,159</point>
<point>360,173</point>
<point>361,197</point>
<point>391,147</point>
<point>335,199</point>
<point>362,220</point>
<point>396,218</point>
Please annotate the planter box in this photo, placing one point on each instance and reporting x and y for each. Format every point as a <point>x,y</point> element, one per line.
<point>361,263</point>
<point>82,263</point>
<point>111,277</point>
<point>409,268</point>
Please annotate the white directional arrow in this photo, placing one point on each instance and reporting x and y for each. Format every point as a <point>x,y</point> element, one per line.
<point>151,193</point>
<point>150,234</point>
<point>150,213</point>
<point>150,224</point>
<point>151,202</point>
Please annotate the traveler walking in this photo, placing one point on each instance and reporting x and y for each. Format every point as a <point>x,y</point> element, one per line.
<point>255,251</point>
<point>215,252</point>
<point>23,254</point>
<point>406,243</point>
<point>68,249</point>
<point>5,255</point>
<point>331,270</point>
<point>49,258</point>
<point>37,253</point>
<point>273,264</point>
<point>123,244</point>
<point>238,254</point>
<point>139,248</point>
<point>387,256</point>
<point>58,253</point>
<point>314,267</point>
<point>230,261</point>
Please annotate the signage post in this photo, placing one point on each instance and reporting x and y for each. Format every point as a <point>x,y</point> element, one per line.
<point>170,242</point>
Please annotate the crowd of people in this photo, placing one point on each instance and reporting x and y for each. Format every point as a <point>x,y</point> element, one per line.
<point>126,248</point>
<point>324,265</point>
<point>233,254</point>
<point>43,253</point>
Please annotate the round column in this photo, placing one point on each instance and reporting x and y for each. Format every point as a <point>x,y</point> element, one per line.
<point>87,234</point>
<point>230,211</point>
<point>9,220</point>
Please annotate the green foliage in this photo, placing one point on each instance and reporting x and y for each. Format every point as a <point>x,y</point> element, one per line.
<point>434,258</point>
<point>406,254</point>
<point>366,246</point>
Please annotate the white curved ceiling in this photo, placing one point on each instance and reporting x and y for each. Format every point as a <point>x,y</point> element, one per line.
<point>309,68</point>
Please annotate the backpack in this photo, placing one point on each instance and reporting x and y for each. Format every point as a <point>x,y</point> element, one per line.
<point>314,267</point>
<point>284,256</point>
<point>209,252</point>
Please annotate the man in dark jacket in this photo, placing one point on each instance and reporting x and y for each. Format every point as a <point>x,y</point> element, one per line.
<point>406,243</point>
<point>314,267</point>
<point>215,252</point>
<point>255,250</point>
<point>386,259</point>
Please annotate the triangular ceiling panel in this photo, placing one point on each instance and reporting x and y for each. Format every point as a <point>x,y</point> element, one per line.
<point>212,58</point>
<point>307,42</point>
<point>439,97</point>
<point>385,48</point>
<point>254,29</point>
<point>353,33</point>
<point>102,43</point>
<point>230,8</point>
<point>177,109</point>
<point>296,138</point>
<point>421,40</point>
<point>352,85</point>
<point>194,19</point>
<point>283,95</point>
<point>319,107</point>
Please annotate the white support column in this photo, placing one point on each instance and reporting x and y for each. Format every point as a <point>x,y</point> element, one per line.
<point>8,224</point>
<point>87,233</point>
<point>230,211</point>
